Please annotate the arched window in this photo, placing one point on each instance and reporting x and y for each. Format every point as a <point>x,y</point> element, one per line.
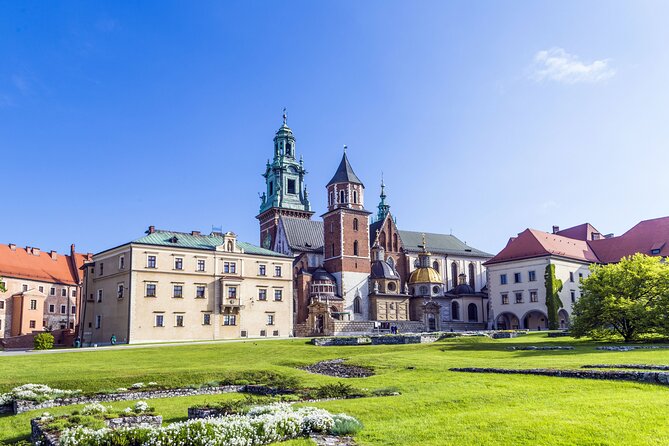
<point>355,196</point>
<point>423,290</point>
<point>333,252</point>
<point>355,224</point>
<point>271,187</point>
<point>391,262</point>
<point>382,240</point>
<point>355,248</point>
<point>472,278</point>
<point>455,311</point>
<point>435,265</point>
<point>342,195</point>
<point>331,198</point>
<point>472,313</point>
<point>454,274</point>
<point>356,305</point>
<point>395,242</point>
<point>289,149</point>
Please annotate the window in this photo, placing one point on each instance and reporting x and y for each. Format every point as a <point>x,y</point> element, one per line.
<point>262,294</point>
<point>160,322</point>
<point>74,309</point>
<point>333,250</point>
<point>41,288</point>
<point>571,276</point>
<point>63,309</point>
<point>455,311</point>
<point>121,262</point>
<point>150,290</point>
<point>262,270</point>
<point>502,279</point>
<point>454,274</point>
<point>178,263</point>
<point>3,285</point>
<point>52,291</point>
<point>357,307</point>
<point>423,290</point>
<point>519,298</point>
<point>102,268</point>
<point>277,271</point>
<point>24,287</point>
<point>355,224</point>
<point>179,320</point>
<point>229,319</point>
<point>229,267</point>
<point>655,251</point>
<point>199,291</point>
<point>533,296</point>
<point>275,333</point>
<point>206,319</point>
<point>63,292</point>
<point>435,289</point>
<point>472,276</point>
<point>472,313</point>
<point>532,276</point>
<point>119,291</point>
<point>99,295</point>
<point>33,304</point>
<point>516,278</point>
<point>580,276</point>
<point>2,304</point>
<point>32,324</point>
<point>355,248</point>
<point>573,296</point>
<point>435,266</point>
<point>291,187</point>
<point>178,291</point>
<point>505,299</point>
<point>263,332</point>
<point>74,293</point>
<point>98,321</point>
<point>271,188</point>
<point>151,263</point>
<point>341,196</point>
<point>278,295</point>
<point>270,319</point>
<point>232,292</point>
<point>200,265</point>
<point>52,308</point>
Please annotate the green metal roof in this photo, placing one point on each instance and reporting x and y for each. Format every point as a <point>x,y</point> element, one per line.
<point>207,242</point>
<point>439,243</point>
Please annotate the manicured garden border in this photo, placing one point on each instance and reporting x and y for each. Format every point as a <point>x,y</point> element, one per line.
<point>643,377</point>
<point>38,436</point>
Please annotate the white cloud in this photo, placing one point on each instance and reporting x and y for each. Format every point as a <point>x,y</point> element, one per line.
<point>558,65</point>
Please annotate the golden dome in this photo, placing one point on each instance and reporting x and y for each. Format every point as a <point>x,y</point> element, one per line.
<point>424,275</point>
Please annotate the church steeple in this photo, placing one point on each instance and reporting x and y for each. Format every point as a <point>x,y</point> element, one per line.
<point>382,209</point>
<point>285,192</point>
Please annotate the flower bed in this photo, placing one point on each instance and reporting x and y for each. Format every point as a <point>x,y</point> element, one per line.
<point>261,425</point>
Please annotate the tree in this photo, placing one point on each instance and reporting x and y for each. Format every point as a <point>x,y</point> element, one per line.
<point>628,298</point>
<point>553,302</point>
<point>2,286</point>
<point>43,341</point>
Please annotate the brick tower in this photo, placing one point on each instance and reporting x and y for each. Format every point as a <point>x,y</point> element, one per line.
<point>346,239</point>
<point>286,193</point>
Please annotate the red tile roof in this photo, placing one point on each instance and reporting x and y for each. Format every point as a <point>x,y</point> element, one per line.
<point>580,232</point>
<point>643,238</point>
<point>34,264</point>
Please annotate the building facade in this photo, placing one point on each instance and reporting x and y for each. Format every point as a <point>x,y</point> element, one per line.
<point>517,285</point>
<point>42,290</point>
<point>173,286</point>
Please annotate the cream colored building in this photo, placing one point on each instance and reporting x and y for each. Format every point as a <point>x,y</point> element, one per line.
<point>173,286</point>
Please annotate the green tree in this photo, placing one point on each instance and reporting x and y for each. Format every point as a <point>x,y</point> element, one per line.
<point>43,341</point>
<point>628,298</point>
<point>2,286</point>
<point>553,302</point>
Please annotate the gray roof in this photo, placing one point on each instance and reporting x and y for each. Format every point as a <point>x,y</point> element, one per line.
<point>439,244</point>
<point>303,235</point>
<point>344,173</point>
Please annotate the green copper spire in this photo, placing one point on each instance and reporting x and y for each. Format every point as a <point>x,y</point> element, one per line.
<point>383,208</point>
<point>284,175</point>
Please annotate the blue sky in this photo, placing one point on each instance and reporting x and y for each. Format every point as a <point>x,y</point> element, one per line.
<point>485,117</point>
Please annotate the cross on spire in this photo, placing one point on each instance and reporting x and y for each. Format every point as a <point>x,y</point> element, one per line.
<point>284,116</point>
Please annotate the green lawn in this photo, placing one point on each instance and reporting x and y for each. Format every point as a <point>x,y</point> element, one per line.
<point>437,407</point>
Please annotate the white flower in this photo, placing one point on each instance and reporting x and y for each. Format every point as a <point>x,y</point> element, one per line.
<point>152,384</point>
<point>137,386</point>
<point>121,389</point>
<point>92,409</point>
<point>141,406</point>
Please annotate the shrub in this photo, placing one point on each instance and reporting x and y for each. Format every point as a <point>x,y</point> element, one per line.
<point>337,390</point>
<point>345,425</point>
<point>386,391</point>
<point>92,409</point>
<point>35,392</point>
<point>43,341</point>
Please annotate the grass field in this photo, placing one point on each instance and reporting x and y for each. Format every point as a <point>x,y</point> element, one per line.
<point>437,407</point>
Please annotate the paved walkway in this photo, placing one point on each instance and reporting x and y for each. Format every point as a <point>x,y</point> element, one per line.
<point>131,346</point>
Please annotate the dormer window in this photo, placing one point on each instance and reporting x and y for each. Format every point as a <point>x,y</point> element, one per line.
<point>173,239</point>
<point>654,251</point>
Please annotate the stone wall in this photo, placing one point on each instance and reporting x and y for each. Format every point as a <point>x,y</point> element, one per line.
<point>422,338</point>
<point>25,406</point>
<point>39,436</point>
<point>616,375</point>
<point>62,338</point>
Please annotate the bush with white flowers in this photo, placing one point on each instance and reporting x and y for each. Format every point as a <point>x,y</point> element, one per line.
<point>93,409</point>
<point>137,386</point>
<point>262,425</point>
<point>35,392</point>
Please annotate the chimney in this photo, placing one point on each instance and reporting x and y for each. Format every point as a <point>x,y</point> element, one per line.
<point>36,251</point>
<point>596,235</point>
<point>72,249</point>
<point>556,229</point>
<point>53,254</point>
<point>12,247</point>
<point>28,250</point>
<point>195,233</point>
<point>151,230</point>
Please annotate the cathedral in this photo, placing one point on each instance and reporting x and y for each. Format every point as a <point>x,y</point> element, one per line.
<point>355,271</point>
